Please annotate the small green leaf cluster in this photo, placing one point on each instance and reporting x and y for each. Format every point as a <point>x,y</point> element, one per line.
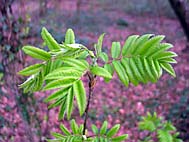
<point>76,134</point>
<point>107,135</point>
<point>164,130</point>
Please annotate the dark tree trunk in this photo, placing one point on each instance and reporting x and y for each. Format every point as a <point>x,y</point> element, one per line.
<point>181,9</point>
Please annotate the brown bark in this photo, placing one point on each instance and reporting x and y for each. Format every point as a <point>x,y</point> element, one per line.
<point>181,9</point>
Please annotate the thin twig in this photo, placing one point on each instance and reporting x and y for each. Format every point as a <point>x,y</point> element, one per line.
<point>91,87</point>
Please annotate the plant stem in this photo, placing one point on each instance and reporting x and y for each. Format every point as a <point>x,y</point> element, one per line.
<point>92,82</point>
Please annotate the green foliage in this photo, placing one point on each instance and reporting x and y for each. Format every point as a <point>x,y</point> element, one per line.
<point>108,135</point>
<point>76,133</point>
<point>64,65</point>
<point>150,122</point>
<point>142,59</point>
<point>164,130</point>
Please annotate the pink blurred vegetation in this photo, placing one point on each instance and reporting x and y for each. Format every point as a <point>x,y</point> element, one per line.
<point>112,102</point>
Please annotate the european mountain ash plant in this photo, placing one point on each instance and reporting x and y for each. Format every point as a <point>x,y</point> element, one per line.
<point>142,59</point>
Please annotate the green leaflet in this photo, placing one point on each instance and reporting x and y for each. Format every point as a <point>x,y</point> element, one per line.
<point>70,37</point>
<point>60,83</point>
<point>62,110</point>
<point>148,70</point>
<point>98,46</point>
<point>113,130</point>
<point>139,43</point>
<point>58,102</point>
<point>166,54</point>
<point>81,65</point>
<point>80,94</point>
<point>125,62</point>
<point>104,56</point>
<point>36,53</point>
<point>103,129</point>
<point>116,49</point>
<point>71,47</point>
<point>169,127</point>
<point>168,60</point>
<point>39,81</point>
<point>65,130</point>
<point>71,54</point>
<point>102,139</point>
<point>160,49</point>
<point>80,130</point>
<point>84,55</point>
<point>69,102</point>
<point>30,70</point>
<point>28,84</point>
<point>74,127</point>
<point>49,40</point>
<point>58,94</point>
<point>158,68</point>
<point>95,139</point>
<point>100,72</point>
<point>126,50</point>
<point>94,129</point>
<point>168,68</point>
<point>121,72</point>
<point>63,72</point>
<point>135,70</point>
<point>120,138</point>
<point>48,67</point>
<point>110,69</point>
<point>153,68</point>
<point>57,135</point>
<point>151,45</point>
<point>141,70</point>
<point>164,136</point>
<point>33,83</point>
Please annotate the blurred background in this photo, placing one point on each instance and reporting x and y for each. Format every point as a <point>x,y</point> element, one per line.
<point>25,117</point>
